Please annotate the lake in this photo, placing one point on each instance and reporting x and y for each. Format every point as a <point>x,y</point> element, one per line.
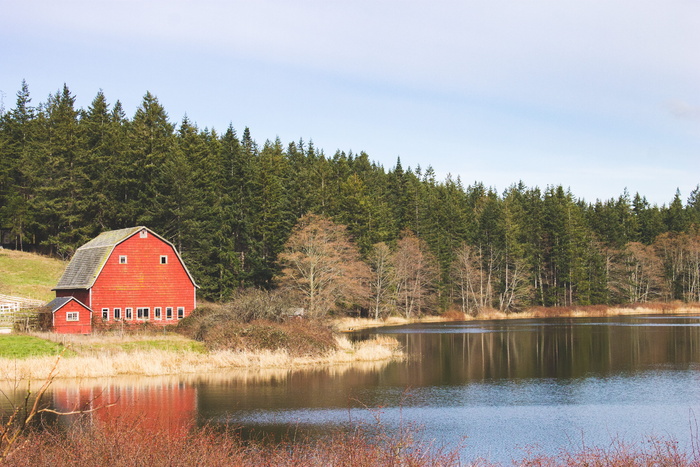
<point>496,387</point>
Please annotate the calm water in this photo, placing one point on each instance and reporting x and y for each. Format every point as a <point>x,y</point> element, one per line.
<point>495,386</point>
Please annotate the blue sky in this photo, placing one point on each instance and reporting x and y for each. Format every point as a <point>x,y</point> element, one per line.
<point>595,95</point>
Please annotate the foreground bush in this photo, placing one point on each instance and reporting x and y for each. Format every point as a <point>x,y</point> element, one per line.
<point>129,442</point>
<point>652,452</point>
<point>121,442</point>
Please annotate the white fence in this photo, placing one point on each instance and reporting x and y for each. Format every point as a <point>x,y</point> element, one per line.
<point>11,310</point>
<point>19,302</point>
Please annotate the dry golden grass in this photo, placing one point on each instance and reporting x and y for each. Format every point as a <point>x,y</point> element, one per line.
<point>354,324</point>
<point>603,310</point>
<point>153,361</point>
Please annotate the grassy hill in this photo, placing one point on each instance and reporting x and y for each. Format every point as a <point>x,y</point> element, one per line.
<point>29,275</point>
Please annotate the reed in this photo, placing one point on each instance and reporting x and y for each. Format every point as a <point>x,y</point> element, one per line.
<point>115,361</point>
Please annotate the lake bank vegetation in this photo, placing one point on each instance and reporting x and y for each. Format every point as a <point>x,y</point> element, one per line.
<point>250,216</point>
<point>152,354</point>
<point>126,442</point>
<point>348,324</point>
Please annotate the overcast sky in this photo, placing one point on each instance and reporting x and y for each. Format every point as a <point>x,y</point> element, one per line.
<point>595,95</point>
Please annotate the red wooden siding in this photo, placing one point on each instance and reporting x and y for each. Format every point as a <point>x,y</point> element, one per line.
<point>82,326</point>
<point>143,282</point>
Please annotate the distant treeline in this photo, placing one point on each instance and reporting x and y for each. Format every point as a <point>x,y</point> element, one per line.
<point>229,205</point>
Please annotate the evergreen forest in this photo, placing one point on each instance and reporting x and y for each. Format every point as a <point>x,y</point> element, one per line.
<point>416,244</point>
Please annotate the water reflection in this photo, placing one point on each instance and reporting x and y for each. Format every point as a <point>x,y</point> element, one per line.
<point>457,353</point>
<point>502,384</point>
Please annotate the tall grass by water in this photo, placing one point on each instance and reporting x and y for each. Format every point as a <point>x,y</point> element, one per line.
<point>129,442</point>
<point>587,311</point>
<point>107,356</point>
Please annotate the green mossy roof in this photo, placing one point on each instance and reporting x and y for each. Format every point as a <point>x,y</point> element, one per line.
<point>89,259</point>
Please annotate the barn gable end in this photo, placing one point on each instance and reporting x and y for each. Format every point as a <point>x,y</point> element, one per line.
<point>70,316</point>
<point>130,275</point>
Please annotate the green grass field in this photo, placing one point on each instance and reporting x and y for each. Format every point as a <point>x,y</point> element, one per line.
<point>172,343</point>
<point>17,346</point>
<point>28,275</point>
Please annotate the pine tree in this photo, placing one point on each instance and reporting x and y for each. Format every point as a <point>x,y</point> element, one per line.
<point>62,192</point>
<point>151,141</point>
<point>104,136</point>
<point>693,207</point>
<point>19,128</point>
<point>231,216</point>
<point>272,219</point>
<point>649,219</point>
<point>515,288</point>
<point>675,216</point>
<point>190,203</point>
<point>354,210</point>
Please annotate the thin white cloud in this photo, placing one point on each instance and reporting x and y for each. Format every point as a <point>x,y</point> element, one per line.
<point>683,110</point>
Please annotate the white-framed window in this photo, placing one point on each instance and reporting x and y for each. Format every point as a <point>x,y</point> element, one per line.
<point>163,259</point>
<point>117,313</point>
<point>157,313</point>
<point>169,313</point>
<point>142,313</point>
<point>143,234</point>
<point>180,312</point>
<point>122,259</point>
<point>128,313</point>
<point>105,314</point>
<point>73,316</point>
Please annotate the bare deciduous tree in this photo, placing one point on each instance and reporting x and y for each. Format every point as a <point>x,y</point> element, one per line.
<point>644,273</point>
<point>680,254</point>
<point>475,280</point>
<point>415,271</point>
<point>323,266</point>
<point>380,284</point>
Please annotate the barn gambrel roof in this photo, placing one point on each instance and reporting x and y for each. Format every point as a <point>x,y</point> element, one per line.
<point>89,259</point>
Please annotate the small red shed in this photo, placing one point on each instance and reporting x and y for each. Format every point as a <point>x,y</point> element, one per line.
<point>70,316</point>
<point>130,276</point>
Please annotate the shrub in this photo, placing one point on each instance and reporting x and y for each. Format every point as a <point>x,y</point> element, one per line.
<point>125,442</point>
<point>454,315</point>
<point>298,337</point>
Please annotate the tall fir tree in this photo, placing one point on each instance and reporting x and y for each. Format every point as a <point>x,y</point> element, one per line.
<point>151,141</point>
<point>19,129</point>
<point>62,191</point>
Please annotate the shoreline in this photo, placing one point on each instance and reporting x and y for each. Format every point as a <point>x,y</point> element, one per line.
<point>110,360</point>
<point>156,362</point>
<point>345,325</point>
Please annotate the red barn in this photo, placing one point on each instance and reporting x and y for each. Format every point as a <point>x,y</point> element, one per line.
<point>130,275</point>
<point>69,316</point>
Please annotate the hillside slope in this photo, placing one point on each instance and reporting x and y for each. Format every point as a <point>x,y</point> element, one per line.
<point>29,275</point>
